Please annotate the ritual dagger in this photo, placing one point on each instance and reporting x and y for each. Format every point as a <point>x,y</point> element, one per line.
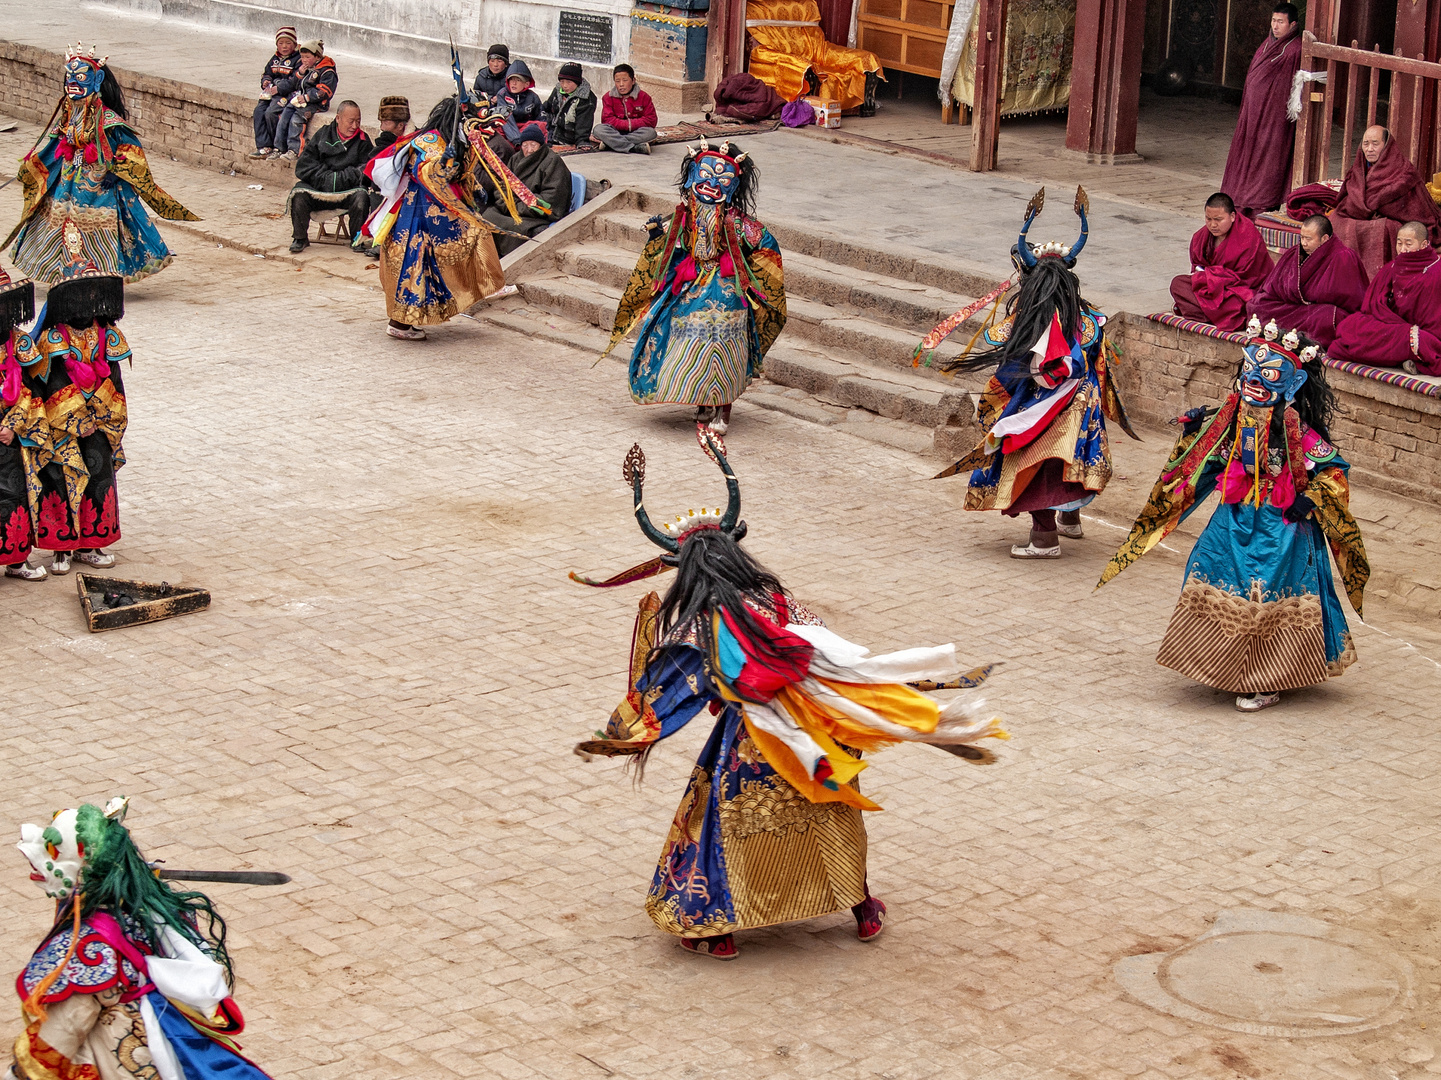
<point>234,877</point>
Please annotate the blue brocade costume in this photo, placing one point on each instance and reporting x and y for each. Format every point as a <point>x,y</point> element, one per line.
<point>710,299</point>
<point>1258,612</point>
<point>89,175</point>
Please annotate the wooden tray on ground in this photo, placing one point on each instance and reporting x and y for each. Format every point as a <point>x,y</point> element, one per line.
<point>152,602</point>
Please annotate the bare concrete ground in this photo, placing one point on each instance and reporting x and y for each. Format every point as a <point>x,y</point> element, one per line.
<point>382,700</point>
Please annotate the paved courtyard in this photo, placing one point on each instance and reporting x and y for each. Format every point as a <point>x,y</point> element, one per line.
<point>383,698</point>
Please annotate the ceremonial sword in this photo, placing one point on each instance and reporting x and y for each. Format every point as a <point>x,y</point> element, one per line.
<point>234,877</point>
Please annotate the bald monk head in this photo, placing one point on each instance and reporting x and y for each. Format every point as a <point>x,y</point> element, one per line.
<point>1315,231</point>
<point>1412,236</point>
<point>1373,141</point>
<point>1220,214</point>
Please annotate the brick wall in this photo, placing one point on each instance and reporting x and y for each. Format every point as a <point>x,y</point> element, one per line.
<point>1390,436</point>
<point>173,119</point>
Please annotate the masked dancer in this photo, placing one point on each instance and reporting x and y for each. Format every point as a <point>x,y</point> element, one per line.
<point>769,829</point>
<point>134,977</point>
<point>437,257</point>
<point>1045,409</point>
<point>1258,613</point>
<point>709,293</point>
<point>89,171</point>
<point>78,375</point>
<point>24,432</point>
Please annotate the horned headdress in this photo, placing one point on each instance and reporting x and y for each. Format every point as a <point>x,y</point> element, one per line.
<point>671,536</point>
<point>1025,254</point>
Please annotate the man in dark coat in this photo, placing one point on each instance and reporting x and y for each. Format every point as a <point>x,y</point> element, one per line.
<point>490,80</point>
<point>539,168</point>
<point>570,109</point>
<point>329,171</point>
<point>1258,168</point>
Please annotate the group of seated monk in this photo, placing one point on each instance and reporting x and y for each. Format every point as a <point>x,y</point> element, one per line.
<point>1382,228</point>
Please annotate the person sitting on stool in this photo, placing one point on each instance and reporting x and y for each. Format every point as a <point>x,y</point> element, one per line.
<point>330,178</point>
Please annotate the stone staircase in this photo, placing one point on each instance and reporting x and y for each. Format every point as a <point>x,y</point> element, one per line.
<point>855,316</point>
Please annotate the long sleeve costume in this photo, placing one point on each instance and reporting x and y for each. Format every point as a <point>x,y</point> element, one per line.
<point>769,829</point>
<point>23,414</point>
<point>709,296</point>
<point>89,174</point>
<point>1258,612</point>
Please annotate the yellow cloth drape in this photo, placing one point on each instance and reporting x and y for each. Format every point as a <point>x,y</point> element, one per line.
<point>783,54</point>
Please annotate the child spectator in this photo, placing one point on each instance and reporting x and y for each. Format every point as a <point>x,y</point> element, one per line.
<point>490,80</point>
<point>523,103</point>
<point>570,109</point>
<point>627,116</point>
<point>281,68</point>
<point>313,85</point>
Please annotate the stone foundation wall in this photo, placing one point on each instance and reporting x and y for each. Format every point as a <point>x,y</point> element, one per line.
<point>1390,436</point>
<point>174,119</point>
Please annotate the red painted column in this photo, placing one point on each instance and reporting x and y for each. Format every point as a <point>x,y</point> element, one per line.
<point>1106,79</point>
<point>1418,28</point>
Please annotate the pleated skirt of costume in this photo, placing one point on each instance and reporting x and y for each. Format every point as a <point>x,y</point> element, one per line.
<point>1063,468</point>
<point>696,346</point>
<point>1258,612</point>
<point>115,231</point>
<point>746,849</point>
<point>433,264</point>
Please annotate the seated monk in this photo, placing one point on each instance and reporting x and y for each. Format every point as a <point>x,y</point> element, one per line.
<point>1229,262</point>
<point>1399,324</point>
<point>1381,191</point>
<point>1313,286</point>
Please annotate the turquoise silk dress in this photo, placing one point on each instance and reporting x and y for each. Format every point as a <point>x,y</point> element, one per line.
<point>709,296</point>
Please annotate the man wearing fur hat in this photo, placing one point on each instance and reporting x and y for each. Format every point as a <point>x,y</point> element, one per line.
<point>394,118</point>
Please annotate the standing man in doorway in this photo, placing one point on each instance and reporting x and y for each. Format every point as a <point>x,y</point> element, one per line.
<point>1258,168</point>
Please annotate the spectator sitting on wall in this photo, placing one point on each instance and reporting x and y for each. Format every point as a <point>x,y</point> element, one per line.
<point>312,88</point>
<point>541,170</point>
<point>627,116</point>
<point>570,109</point>
<point>490,80</point>
<point>394,117</point>
<point>330,177</point>
<point>282,67</point>
<point>521,103</point>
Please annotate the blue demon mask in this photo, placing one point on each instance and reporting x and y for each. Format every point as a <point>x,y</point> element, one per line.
<point>1271,372</point>
<point>713,178</point>
<point>83,76</point>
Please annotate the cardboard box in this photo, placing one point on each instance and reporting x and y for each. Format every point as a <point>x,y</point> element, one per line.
<point>828,111</point>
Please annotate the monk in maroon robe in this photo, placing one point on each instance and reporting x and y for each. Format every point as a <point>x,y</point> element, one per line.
<point>1313,286</point>
<point>1229,262</point>
<point>1258,168</point>
<point>1381,192</point>
<point>1399,324</point>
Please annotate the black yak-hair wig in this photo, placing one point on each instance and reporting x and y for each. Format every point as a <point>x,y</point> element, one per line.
<point>714,573</point>
<point>17,305</point>
<point>748,177</point>
<point>111,94</point>
<point>83,300</point>
<point>1049,288</point>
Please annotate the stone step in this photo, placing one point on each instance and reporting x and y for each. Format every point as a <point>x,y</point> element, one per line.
<point>834,307</point>
<point>922,410</point>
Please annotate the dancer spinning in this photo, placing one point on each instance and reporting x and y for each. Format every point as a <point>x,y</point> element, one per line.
<point>769,829</point>
<point>89,172</point>
<point>1258,613</point>
<point>133,980</point>
<point>708,291</point>
<point>436,254</point>
<point>1045,409</point>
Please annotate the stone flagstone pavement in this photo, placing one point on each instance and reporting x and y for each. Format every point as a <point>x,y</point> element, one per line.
<point>383,697</point>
